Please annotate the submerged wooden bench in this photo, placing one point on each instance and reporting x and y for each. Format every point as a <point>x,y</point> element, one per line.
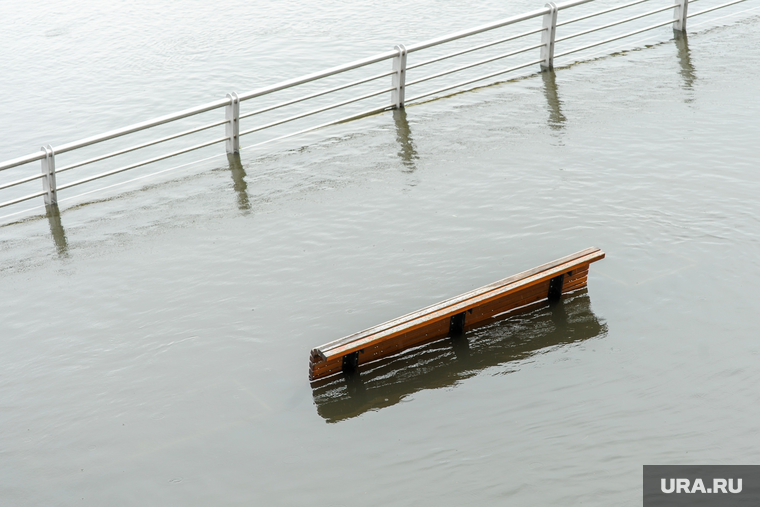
<point>453,316</point>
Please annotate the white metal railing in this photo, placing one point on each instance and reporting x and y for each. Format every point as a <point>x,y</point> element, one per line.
<point>397,90</point>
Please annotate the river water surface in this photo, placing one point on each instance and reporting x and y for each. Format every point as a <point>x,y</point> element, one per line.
<point>154,343</point>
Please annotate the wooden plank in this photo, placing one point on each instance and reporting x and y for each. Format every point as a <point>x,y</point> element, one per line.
<point>471,294</point>
<point>433,332</point>
<point>482,290</point>
<point>577,273</point>
<point>526,300</point>
<point>463,303</point>
<point>506,303</point>
<point>522,298</point>
<point>433,322</point>
<point>574,286</point>
<point>575,281</point>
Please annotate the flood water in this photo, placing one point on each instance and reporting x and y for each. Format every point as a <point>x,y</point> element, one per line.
<point>154,343</point>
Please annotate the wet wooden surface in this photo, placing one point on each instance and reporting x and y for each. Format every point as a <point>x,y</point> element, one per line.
<point>434,322</point>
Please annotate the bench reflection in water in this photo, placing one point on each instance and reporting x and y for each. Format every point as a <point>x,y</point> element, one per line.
<point>446,362</point>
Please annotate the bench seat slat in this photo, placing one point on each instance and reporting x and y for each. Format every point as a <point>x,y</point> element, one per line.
<point>432,323</point>
<point>448,302</point>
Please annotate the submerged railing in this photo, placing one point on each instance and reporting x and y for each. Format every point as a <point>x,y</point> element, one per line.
<point>399,83</point>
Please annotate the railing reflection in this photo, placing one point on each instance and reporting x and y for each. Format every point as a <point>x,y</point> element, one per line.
<point>57,231</point>
<point>447,362</point>
<point>684,59</point>
<point>238,180</point>
<point>407,153</point>
<point>556,118</point>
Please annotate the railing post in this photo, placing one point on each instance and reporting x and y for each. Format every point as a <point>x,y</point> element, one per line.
<point>399,77</point>
<point>48,181</point>
<point>548,36</point>
<point>680,12</point>
<point>232,127</point>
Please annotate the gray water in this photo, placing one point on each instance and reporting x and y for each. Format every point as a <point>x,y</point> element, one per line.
<point>155,343</point>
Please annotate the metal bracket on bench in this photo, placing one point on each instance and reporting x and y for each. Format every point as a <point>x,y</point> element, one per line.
<point>555,287</point>
<point>351,362</point>
<point>456,325</point>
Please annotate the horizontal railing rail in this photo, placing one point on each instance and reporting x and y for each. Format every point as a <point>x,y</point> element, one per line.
<point>358,85</point>
<point>603,11</point>
<point>609,25</point>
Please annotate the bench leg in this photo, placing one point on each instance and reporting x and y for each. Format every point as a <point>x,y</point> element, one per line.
<point>351,362</point>
<point>555,287</point>
<point>456,325</point>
